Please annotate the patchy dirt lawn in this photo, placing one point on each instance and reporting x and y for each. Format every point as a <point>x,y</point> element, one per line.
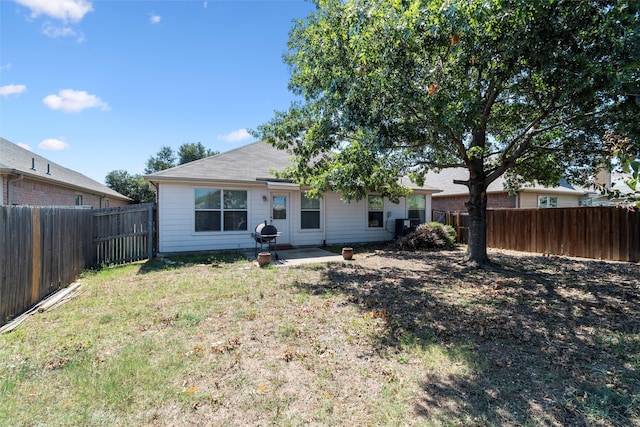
<point>549,340</point>
<point>391,338</point>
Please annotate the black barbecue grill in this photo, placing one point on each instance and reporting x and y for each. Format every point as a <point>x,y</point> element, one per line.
<point>266,234</point>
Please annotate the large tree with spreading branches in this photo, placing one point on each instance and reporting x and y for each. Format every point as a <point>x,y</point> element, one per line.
<point>389,88</point>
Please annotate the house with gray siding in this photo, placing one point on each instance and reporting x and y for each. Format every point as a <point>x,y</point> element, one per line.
<point>217,202</point>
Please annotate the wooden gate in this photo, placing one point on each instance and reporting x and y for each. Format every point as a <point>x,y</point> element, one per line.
<point>124,234</point>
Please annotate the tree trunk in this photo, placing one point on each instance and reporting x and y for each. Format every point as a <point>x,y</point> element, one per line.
<point>477,206</point>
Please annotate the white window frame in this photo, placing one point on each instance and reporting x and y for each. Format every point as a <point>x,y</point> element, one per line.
<point>547,202</point>
<point>221,209</point>
<point>303,210</point>
<point>374,210</point>
<point>424,209</point>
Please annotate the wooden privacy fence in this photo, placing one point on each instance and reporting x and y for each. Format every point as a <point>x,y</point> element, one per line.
<point>590,232</point>
<point>458,220</point>
<point>43,249</point>
<point>123,234</point>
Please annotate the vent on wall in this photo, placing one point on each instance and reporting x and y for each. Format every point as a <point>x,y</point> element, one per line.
<point>33,163</point>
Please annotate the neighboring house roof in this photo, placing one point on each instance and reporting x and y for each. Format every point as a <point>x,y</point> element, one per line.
<point>247,164</point>
<point>444,180</point>
<point>19,161</point>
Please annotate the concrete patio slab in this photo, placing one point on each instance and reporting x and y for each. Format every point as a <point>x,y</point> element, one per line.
<point>299,256</point>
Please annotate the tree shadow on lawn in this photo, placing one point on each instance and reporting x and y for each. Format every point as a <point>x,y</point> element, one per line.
<point>551,340</point>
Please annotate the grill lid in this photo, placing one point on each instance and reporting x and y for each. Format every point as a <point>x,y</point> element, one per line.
<point>266,229</point>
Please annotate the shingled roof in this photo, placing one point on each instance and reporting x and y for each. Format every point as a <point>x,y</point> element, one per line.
<point>19,161</point>
<point>250,163</point>
<point>444,180</point>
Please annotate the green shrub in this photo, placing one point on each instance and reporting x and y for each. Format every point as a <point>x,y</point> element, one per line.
<point>428,236</point>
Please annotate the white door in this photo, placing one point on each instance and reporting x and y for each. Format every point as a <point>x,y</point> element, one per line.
<point>280,215</point>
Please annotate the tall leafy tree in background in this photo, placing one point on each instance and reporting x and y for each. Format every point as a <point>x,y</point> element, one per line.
<point>132,186</point>
<point>393,88</point>
<point>166,157</point>
<point>189,152</point>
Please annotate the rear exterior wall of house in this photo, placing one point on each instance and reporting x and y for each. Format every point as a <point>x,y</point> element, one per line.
<point>36,193</point>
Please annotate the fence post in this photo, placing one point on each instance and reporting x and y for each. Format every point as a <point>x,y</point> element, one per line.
<point>36,252</point>
<point>150,231</point>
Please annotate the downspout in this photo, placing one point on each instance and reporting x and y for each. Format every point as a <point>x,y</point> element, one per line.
<point>9,192</point>
<point>156,242</point>
<point>324,222</point>
<point>157,191</point>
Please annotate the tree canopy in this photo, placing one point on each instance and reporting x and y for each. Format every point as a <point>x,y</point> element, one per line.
<point>393,88</point>
<point>166,157</point>
<point>190,152</point>
<point>132,186</point>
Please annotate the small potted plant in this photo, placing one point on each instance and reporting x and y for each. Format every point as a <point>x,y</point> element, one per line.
<point>347,253</point>
<point>264,259</point>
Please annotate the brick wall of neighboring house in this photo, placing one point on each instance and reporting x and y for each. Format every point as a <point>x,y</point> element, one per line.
<point>36,193</point>
<point>456,203</point>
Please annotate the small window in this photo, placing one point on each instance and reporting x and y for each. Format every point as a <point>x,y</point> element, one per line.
<point>416,207</point>
<point>279,207</point>
<point>218,210</point>
<point>376,211</point>
<point>547,202</point>
<point>78,199</point>
<point>309,213</point>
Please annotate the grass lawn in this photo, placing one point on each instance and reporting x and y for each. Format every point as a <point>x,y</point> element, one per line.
<point>391,338</point>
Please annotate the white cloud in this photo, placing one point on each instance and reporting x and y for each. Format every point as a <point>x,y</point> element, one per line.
<point>12,90</point>
<point>235,136</point>
<point>65,10</point>
<point>25,146</point>
<point>205,4</point>
<point>53,144</point>
<point>56,31</point>
<point>6,67</point>
<point>73,101</point>
<point>155,19</point>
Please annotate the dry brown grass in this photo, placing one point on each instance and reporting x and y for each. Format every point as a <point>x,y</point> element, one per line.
<point>392,338</point>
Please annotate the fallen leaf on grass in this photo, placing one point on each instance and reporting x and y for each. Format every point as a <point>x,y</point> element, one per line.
<point>222,347</point>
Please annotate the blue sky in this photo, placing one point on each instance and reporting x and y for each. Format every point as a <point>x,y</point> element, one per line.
<point>97,86</point>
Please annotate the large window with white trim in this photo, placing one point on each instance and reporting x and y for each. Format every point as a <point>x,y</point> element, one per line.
<point>309,213</point>
<point>375,211</point>
<point>220,210</point>
<point>416,207</point>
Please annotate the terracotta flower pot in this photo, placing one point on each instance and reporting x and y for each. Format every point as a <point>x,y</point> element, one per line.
<point>264,259</point>
<point>347,253</point>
